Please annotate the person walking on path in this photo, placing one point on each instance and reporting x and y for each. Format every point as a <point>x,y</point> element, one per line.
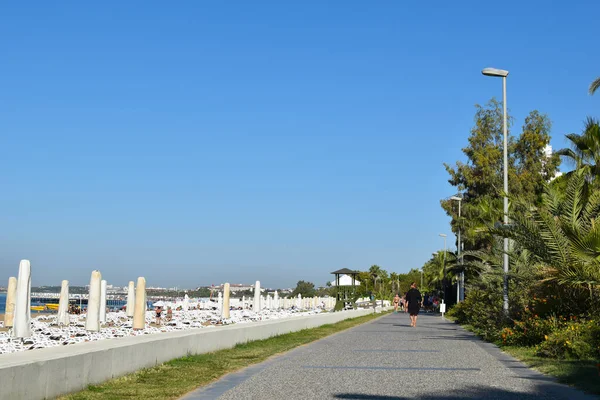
<point>396,302</point>
<point>413,298</point>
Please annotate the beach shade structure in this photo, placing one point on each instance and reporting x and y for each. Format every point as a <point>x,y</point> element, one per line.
<point>225,309</point>
<point>92,319</point>
<point>186,302</point>
<point>159,303</point>
<point>139,315</point>
<point>130,307</point>
<point>11,297</point>
<point>102,301</point>
<point>256,304</point>
<point>62,318</point>
<point>346,285</point>
<point>22,315</point>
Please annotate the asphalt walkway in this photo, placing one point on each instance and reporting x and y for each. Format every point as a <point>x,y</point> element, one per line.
<point>387,359</point>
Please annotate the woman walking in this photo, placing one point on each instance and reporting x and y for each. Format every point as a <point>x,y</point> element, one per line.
<point>413,298</point>
<point>396,303</point>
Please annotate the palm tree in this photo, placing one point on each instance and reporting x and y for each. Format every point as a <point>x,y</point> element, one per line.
<point>585,149</point>
<point>563,235</point>
<point>594,86</point>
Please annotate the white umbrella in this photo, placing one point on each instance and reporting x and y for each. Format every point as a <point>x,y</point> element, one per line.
<point>158,304</point>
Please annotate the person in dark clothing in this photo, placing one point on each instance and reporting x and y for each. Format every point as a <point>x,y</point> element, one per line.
<point>413,298</point>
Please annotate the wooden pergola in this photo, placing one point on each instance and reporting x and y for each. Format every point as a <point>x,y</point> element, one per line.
<point>344,292</point>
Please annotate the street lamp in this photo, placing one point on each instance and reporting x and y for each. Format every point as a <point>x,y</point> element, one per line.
<point>444,265</point>
<point>460,293</point>
<point>503,74</point>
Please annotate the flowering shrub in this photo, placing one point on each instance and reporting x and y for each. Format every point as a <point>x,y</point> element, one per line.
<point>531,330</point>
<point>576,339</point>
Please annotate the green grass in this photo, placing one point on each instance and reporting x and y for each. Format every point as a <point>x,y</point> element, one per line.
<point>177,377</point>
<point>583,374</point>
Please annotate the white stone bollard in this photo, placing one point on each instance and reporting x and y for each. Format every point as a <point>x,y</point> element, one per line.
<point>11,297</point>
<point>225,312</point>
<point>92,319</point>
<point>256,304</point>
<point>102,301</point>
<point>129,309</point>
<point>22,316</point>
<point>62,318</point>
<point>139,314</point>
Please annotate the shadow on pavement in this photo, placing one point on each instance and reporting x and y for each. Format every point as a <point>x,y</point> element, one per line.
<point>545,391</point>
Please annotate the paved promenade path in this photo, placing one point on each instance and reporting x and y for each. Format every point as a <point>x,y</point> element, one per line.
<point>386,359</point>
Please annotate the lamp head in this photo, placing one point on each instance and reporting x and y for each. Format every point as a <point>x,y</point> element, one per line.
<point>443,235</point>
<point>456,198</point>
<point>495,72</point>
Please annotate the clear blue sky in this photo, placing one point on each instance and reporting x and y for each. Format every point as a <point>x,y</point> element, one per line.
<point>202,142</point>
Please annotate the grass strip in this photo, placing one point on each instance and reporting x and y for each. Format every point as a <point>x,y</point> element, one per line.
<point>582,374</point>
<point>182,375</point>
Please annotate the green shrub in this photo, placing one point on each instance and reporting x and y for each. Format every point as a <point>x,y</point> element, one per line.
<point>483,311</point>
<point>576,340</point>
<point>530,331</point>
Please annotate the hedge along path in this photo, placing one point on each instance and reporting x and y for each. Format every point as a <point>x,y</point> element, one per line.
<point>177,377</point>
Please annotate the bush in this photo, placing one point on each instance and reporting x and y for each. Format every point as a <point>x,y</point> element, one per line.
<point>532,330</point>
<point>577,340</point>
<point>483,311</point>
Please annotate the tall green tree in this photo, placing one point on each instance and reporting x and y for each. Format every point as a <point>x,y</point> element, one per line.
<point>306,289</point>
<point>481,178</point>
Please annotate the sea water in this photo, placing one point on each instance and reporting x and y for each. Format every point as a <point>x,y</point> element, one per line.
<point>2,302</point>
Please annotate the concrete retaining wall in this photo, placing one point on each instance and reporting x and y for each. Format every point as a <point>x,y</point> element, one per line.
<point>48,373</point>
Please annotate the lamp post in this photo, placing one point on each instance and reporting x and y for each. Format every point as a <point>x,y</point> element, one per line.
<point>503,74</point>
<point>460,295</point>
<point>444,264</point>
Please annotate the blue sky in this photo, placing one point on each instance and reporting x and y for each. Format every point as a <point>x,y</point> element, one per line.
<point>204,142</point>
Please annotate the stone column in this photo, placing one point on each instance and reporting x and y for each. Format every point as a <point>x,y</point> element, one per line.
<point>102,301</point>
<point>130,299</point>
<point>22,315</point>
<point>92,319</point>
<point>139,315</point>
<point>62,318</point>
<point>186,303</point>
<point>220,303</point>
<point>11,297</point>
<point>225,312</point>
<point>256,304</point>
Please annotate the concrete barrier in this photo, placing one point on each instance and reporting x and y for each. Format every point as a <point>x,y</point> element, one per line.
<point>48,373</point>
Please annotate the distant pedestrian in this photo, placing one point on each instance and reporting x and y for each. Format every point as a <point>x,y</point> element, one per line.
<point>414,299</point>
<point>158,311</point>
<point>396,302</point>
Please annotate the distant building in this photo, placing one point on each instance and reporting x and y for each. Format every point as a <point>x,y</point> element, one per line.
<point>548,153</point>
